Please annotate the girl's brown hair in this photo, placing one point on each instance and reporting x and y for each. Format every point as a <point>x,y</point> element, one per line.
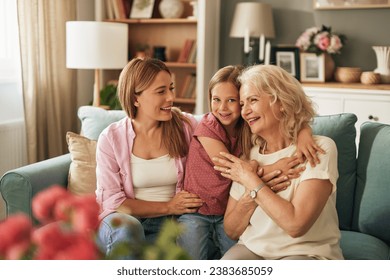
<point>137,76</point>
<point>230,74</point>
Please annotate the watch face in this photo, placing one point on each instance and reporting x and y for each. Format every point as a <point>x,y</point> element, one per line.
<point>253,194</point>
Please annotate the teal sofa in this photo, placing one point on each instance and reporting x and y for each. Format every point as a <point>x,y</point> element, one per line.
<point>363,195</point>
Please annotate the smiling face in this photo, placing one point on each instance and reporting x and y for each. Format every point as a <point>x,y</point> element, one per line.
<point>225,105</point>
<point>258,110</point>
<point>155,102</point>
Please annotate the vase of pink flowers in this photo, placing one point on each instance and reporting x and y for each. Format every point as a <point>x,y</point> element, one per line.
<point>322,41</point>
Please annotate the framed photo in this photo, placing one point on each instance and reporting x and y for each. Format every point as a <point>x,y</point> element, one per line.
<point>142,9</point>
<point>350,4</point>
<point>287,58</point>
<point>312,67</point>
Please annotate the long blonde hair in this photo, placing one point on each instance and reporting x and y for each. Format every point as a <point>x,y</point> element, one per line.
<point>298,110</point>
<point>137,76</point>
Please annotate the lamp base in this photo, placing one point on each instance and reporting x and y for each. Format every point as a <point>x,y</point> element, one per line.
<point>252,57</point>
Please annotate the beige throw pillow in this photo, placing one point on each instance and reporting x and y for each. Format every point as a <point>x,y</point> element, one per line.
<point>82,171</point>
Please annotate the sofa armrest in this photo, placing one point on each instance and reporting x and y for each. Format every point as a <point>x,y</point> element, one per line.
<point>18,186</point>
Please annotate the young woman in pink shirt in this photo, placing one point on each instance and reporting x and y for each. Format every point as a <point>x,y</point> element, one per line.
<point>141,159</point>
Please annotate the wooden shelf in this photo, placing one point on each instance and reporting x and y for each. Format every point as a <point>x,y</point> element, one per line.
<point>348,85</point>
<point>184,100</point>
<point>155,21</point>
<point>181,65</point>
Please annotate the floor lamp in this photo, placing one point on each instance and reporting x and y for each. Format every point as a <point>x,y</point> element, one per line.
<point>254,20</point>
<point>96,45</point>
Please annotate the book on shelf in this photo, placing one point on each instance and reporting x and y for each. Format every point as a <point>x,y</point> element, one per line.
<point>192,54</point>
<point>109,9</point>
<point>185,50</point>
<point>190,87</point>
<point>127,5</point>
<point>186,82</point>
<point>122,9</point>
<point>118,8</point>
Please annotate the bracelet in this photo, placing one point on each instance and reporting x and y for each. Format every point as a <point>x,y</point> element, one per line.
<point>253,193</point>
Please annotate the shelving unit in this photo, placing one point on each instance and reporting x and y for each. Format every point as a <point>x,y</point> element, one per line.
<point>367,102</point>
<point>172,33</point>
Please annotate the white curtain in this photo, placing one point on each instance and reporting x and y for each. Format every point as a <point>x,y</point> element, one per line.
<point>49,89</point>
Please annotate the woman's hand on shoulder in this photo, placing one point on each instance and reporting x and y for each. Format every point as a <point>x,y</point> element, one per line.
<point>307,148</point>
<point>275,180</point>
<point>288,166</point>
<point>184,202</point>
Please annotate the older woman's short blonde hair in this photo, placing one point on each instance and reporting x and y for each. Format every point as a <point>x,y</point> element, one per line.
<point>298,110</point>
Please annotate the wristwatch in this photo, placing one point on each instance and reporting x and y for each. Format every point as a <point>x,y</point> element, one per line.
<point>253,193</point>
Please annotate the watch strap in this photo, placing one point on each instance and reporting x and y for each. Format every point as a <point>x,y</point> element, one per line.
<point>259,187</point>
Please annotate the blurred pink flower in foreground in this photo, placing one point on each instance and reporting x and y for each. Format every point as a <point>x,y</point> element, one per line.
<point>67,230</point>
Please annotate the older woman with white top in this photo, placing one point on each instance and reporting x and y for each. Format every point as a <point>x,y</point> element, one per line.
<point>300,222</point>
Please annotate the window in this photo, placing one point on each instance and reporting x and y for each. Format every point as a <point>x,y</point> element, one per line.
<point>9,46</point>
<point>11,99</point>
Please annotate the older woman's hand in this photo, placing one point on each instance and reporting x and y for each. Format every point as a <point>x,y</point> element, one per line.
<point>225,164</point>
<point>235,168</point>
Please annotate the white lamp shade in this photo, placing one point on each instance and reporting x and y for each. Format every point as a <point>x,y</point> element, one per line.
<point>96,45</point>
<point>255,17</point>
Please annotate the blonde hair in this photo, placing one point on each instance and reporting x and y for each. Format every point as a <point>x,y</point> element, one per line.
<point>229,74</point>
<point>284,89</point>
<point>137,76</point>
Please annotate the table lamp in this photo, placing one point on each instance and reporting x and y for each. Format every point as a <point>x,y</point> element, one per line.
<point>254,20</point>
<point>96,45</point>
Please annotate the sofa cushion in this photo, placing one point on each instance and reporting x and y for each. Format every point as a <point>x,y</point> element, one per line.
<point>372,200</point>
<point>94,120</point>
<point>81,178</point>
<point>360,246</point>
<point>341,128</point>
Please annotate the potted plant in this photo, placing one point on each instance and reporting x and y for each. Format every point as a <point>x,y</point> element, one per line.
<point>108,96</point>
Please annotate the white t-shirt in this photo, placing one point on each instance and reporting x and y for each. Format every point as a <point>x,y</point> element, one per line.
<point>154,179</point>
<point>265,238</point>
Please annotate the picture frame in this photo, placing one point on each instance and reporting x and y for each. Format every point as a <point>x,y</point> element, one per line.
<point>286,57</point>
<point>142,9</point>
<point>349,4</point>
<point>312,67</point>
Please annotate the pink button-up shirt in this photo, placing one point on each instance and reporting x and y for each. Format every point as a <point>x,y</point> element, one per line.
<point>113,170</point>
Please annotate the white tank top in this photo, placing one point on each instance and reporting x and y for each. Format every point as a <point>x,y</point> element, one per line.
<point>154,179</point>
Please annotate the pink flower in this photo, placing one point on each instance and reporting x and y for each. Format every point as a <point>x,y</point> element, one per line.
<point>335,45</point>
<point>44,202</point>
<point>81,248</point>
<point>67,231</point>
<point>56,241</point>
<point>322,40</point>
<point>15,236</point>
<point>318,41</point>
<point>87,217</point>
<point>81,212</point>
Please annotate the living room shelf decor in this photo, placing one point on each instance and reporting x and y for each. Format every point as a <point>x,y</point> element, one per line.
<point>171,33</point>
<point>359,4</point>
<point>383,62</point>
